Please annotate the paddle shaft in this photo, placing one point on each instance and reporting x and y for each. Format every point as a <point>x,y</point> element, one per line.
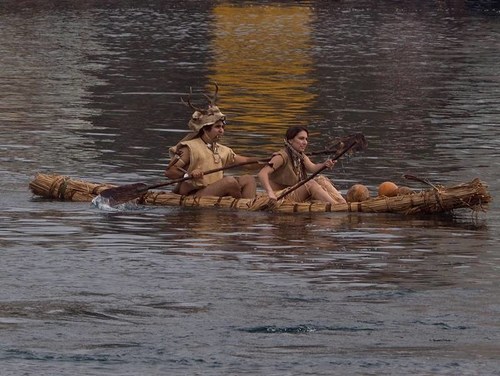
<point>312,176</point>
<point>129,192</point>
<point>180,180</point>
<point>263,160</point>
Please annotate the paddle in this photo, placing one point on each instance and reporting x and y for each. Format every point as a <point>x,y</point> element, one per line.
<point>356,141</point>
<point>121,194</point>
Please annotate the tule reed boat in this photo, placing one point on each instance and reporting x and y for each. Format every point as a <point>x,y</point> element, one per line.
<point>471,195</point>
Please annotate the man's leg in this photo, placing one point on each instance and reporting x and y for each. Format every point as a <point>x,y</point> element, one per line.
<point>227,186</point>
<point>248,186</point>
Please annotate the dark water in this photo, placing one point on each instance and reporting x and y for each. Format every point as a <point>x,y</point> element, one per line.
<point>91,90</point>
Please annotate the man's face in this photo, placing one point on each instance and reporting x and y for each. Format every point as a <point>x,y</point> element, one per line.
<point>217,131</point>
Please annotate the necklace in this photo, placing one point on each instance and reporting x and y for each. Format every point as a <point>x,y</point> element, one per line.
<point>214,148</point>
<point>297,161</point>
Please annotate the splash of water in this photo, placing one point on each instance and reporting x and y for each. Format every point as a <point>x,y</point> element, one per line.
<point>103,203</point>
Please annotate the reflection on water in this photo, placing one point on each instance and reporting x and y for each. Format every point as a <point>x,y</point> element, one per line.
<point>352,250</point>
<point>92,90</point>
<point>264,62</point>
<point>43,111</point>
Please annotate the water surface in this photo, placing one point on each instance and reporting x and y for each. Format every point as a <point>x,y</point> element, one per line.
<point>93,91</point>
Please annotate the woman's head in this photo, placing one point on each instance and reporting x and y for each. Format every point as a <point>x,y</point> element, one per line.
<point>296,137</point>
<point>294,131</point>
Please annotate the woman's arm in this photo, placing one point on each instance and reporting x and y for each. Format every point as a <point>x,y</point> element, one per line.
<point>314,167</point>
<point>267,170</point>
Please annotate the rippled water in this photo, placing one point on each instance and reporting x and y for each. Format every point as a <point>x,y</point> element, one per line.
<point>91,90</point>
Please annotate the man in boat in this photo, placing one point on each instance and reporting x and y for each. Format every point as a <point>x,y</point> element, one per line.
<point>201,151</point>
<point>290,165</point>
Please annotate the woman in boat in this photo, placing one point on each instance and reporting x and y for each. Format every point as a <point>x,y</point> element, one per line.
<point>201,151</point>
<point>290,165</point>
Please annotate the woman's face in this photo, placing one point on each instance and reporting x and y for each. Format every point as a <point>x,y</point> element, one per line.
<point>299,142</point>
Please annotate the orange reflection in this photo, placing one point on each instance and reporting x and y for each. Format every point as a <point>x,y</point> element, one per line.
<point>262,61</point>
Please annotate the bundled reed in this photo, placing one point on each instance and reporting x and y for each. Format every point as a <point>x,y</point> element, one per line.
<point>473,195</point>
<point>64,188</point>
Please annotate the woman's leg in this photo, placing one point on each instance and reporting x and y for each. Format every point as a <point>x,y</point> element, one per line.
<point>313,190</point>
<point>327,185</point>
<point>318,193</point>
<point>300,194</point>
<point>309,191</point>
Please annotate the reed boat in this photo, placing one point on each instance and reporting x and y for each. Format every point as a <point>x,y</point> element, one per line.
<point>471,195</point>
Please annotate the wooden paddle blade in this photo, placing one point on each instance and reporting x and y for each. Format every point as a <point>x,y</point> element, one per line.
<point>358,142</point>
<point>124,193</point>
<point>361,142</point>
<point>331,148</point>
<point>337,145</point>
<point>351,144</point>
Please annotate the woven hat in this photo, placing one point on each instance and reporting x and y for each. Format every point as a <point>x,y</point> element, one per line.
<point>202,118</point>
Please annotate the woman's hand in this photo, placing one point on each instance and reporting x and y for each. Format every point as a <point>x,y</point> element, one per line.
<point>329,163</point>
<point>272,195</point>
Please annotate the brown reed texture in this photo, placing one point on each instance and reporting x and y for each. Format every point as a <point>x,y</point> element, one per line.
<point>472,195</point>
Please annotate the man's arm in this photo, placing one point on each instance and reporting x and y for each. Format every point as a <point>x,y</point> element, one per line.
<point>242,159</point>
<point>179,166</point>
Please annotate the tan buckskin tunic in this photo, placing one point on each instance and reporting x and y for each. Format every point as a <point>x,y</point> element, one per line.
<point>285,175</point>
<point>201,157</point>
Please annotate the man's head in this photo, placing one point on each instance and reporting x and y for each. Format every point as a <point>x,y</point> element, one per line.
<point>203,117</point>
<point>206,117</point>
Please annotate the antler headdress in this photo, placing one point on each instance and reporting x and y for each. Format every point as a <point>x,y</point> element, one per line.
<point>204,116</point>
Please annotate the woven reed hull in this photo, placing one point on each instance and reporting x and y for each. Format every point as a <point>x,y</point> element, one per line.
<point>473,195</point>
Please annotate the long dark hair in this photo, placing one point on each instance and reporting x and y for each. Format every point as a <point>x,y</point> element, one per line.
<point>294,131</point>
<point>296,157</point>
